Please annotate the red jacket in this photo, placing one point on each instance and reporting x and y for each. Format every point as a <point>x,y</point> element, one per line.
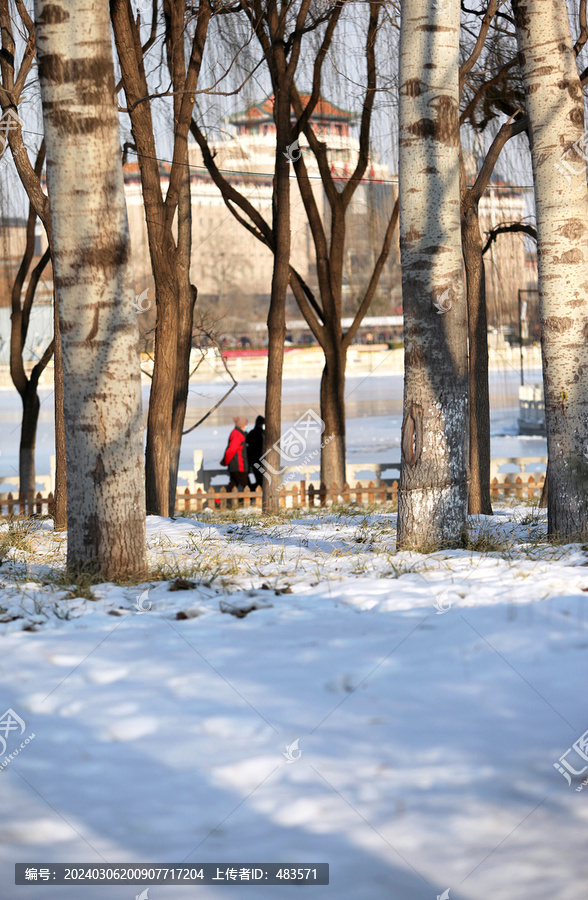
<point>236,453</point>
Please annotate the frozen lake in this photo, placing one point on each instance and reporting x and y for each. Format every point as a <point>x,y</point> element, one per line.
<point>374,413</point>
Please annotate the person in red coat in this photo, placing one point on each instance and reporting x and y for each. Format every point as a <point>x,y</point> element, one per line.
<point>236,455</point>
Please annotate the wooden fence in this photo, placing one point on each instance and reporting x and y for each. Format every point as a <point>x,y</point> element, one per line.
<point>294,496</point>
<point>31,505</point>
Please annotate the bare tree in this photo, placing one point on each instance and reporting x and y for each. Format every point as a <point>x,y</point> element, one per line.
<point>490,88</point>
<point>14,82</point>
<point>324,319</point>
<point>322,313</point>
<point>168,220</point>
<point>555,108</point>
<point>95,289</point>
<point>27,386</point>
<point>432,499</point>
<point>279,28</point>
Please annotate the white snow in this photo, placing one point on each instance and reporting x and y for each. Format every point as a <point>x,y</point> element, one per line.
<point>428,734</point>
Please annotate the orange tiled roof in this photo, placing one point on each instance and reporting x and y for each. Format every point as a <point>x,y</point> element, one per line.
<point>323,109</point>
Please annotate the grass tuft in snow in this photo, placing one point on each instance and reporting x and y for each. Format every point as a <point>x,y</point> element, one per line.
<point>16,535</point>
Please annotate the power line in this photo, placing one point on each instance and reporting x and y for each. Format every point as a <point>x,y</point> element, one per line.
<point>241,173</point>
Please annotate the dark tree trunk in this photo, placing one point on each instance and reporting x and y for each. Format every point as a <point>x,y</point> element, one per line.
<point>186,301</point>
<point>28,437</point>
<point>276,320</point>
<point>186,316</point>
<point>479,495</point>
<point>170,260</point>
<point>161,400</point>
<point>544,494</point>
<point>333,415</point>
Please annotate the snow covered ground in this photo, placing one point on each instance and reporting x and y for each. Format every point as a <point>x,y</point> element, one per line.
<point>429,695</point>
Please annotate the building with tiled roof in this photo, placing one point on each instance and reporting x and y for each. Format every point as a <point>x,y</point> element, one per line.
<point>258,118</point>
<point>228,263</point>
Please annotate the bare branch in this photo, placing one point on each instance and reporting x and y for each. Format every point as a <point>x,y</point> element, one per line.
<point>484,87</point>
<point>521,227</point>
<point>212,337</point>
<point>307,303</point>
<point>40,367</point>
<point>368,105</point>
<point>507,131</point>
<point>30,294</point>
<point>369,294</point>
<point>151,40</point>
<point>469,64</point>
<point>264,232</point>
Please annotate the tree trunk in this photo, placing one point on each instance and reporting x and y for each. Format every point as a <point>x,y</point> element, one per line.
<point>170,261</point>
<point>60,493</point>
<point>95,289</point>
<point>184,346</point>
<point>333,415</point>
<point>479,497</point>
<point>432,500</point>
<point>28,437</point>
<point>544,490</point>
<point>276,320</point>
<point>555,111</point>
<point>186,300</point>
<point>161,401</point>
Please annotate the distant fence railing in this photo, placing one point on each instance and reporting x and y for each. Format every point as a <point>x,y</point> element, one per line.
<point>31,505</point>
<point>300,495</point>
<point>292,496</point>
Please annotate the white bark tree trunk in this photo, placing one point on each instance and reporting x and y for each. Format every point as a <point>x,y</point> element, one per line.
<point>95,292</point>
<point>556,123</point>
<point>432,502</point>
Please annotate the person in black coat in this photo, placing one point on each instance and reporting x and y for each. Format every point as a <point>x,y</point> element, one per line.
<point>255,449</point>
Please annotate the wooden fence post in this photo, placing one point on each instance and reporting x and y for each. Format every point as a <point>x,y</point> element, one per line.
<point>531,493</point>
